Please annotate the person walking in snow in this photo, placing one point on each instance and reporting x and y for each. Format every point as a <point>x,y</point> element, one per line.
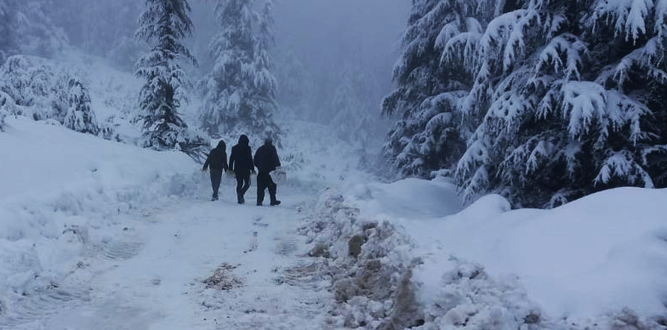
<point>217,161</point>
<point>240,161</point>
<point>266,160</point>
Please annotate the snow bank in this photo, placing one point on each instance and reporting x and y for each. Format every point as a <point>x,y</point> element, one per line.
<point>43,159</point>
<point>368,263</point>
<point>65,196</point>
<point>602,255</point>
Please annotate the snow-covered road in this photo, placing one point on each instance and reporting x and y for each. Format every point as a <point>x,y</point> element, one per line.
<point>154,279</point>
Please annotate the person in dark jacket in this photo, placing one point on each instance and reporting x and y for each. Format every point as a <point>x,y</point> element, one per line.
<point>266,160</point>
<point>217,161</point>
<point>240,162</point>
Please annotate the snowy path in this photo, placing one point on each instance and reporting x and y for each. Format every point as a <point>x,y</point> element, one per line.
<point>156,280</point>
<point>113,236</point>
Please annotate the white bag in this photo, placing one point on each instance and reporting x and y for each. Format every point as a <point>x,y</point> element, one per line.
<point>279,174</point>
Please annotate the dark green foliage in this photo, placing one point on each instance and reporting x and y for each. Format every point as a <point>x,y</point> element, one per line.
<point>165,22</point>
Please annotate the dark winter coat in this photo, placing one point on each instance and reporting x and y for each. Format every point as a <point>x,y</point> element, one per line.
<point>240,160</point>
<point>217,159</point>
<point>266,158</point>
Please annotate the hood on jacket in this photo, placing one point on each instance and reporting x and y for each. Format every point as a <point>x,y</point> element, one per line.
<point>243,140</point>
<point>221,145</point>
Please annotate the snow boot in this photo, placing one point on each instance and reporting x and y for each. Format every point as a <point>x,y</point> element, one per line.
<point>275,202</point>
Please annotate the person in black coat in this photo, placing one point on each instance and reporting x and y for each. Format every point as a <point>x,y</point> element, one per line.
<point>217,161</point>
<point>240,162</point>
<point>266,160</point>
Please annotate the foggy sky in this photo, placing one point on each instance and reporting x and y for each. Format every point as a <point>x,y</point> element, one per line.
<point>326,31</point>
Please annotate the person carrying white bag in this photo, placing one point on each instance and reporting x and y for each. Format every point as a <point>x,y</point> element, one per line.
<point>266,160</point>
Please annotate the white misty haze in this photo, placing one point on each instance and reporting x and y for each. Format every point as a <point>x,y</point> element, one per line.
<point>333,59</point>
<point>325,29</point>
<point>347,49</point>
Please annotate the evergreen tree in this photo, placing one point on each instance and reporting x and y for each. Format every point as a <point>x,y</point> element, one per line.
<point>79,117</point>
<point>36,88</point>
<point>239,92</point>
<point>347,104</point>
<point>430,136</point>
<point>5,101</point>
<point>297,88</point>
<point>555,98</point>
<point>39,34</point>
<point>566,92</point>
<point>355,97</point>
<point>8,29</point>
<point>164,21</point>
<point>28,22</point>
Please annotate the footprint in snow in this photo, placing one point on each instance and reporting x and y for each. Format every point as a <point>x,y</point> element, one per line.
<point>253,243</point>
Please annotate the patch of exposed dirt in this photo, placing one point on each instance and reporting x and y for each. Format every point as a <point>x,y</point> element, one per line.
<point>223,278</point>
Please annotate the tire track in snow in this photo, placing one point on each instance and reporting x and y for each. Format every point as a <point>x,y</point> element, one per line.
<point>46,295</point>
<point>267,300</point>
<point>38,304</point>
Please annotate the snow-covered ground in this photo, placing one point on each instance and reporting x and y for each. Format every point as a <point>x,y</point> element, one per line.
<point>103,235</point>
<point>97,234</point>
<point>585,264</point>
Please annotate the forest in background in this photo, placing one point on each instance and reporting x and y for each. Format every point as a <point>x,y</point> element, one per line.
<point>540,101</point>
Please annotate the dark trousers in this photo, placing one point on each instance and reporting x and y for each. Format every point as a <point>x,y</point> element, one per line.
<point>216,177</point>
<point>264,181</point>
<point>242,183</point>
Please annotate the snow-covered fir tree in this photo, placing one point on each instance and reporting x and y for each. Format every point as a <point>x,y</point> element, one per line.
<point>4,101</point>
<point>79,117</point>
<point>9,44</point>
<point>555,99</point>
<point>36,88</point>
<point>296,91</point>
<point>570,96</point>
<point>105,29</point>
<point>356,97</point>
<point>239,92</point>
<point>346,104</point>
<point>39,34</point>
<point>429,88</point>
<point>164,22</point>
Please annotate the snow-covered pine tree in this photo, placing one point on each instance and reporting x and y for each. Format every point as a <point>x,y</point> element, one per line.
<point>9,44</point>
<point>430,86</point>
<point>5,101</point>
<point>39,34</point>
<point>355,97</point>
<point>346,104</point>
<point>79,117</point>
<point>105,29</point>
<point>263,78</point>
<point>165,22</point>
<point>571,99</point>
<point>239,92</point>
<point>297,89</point>
<point>36,88</point>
